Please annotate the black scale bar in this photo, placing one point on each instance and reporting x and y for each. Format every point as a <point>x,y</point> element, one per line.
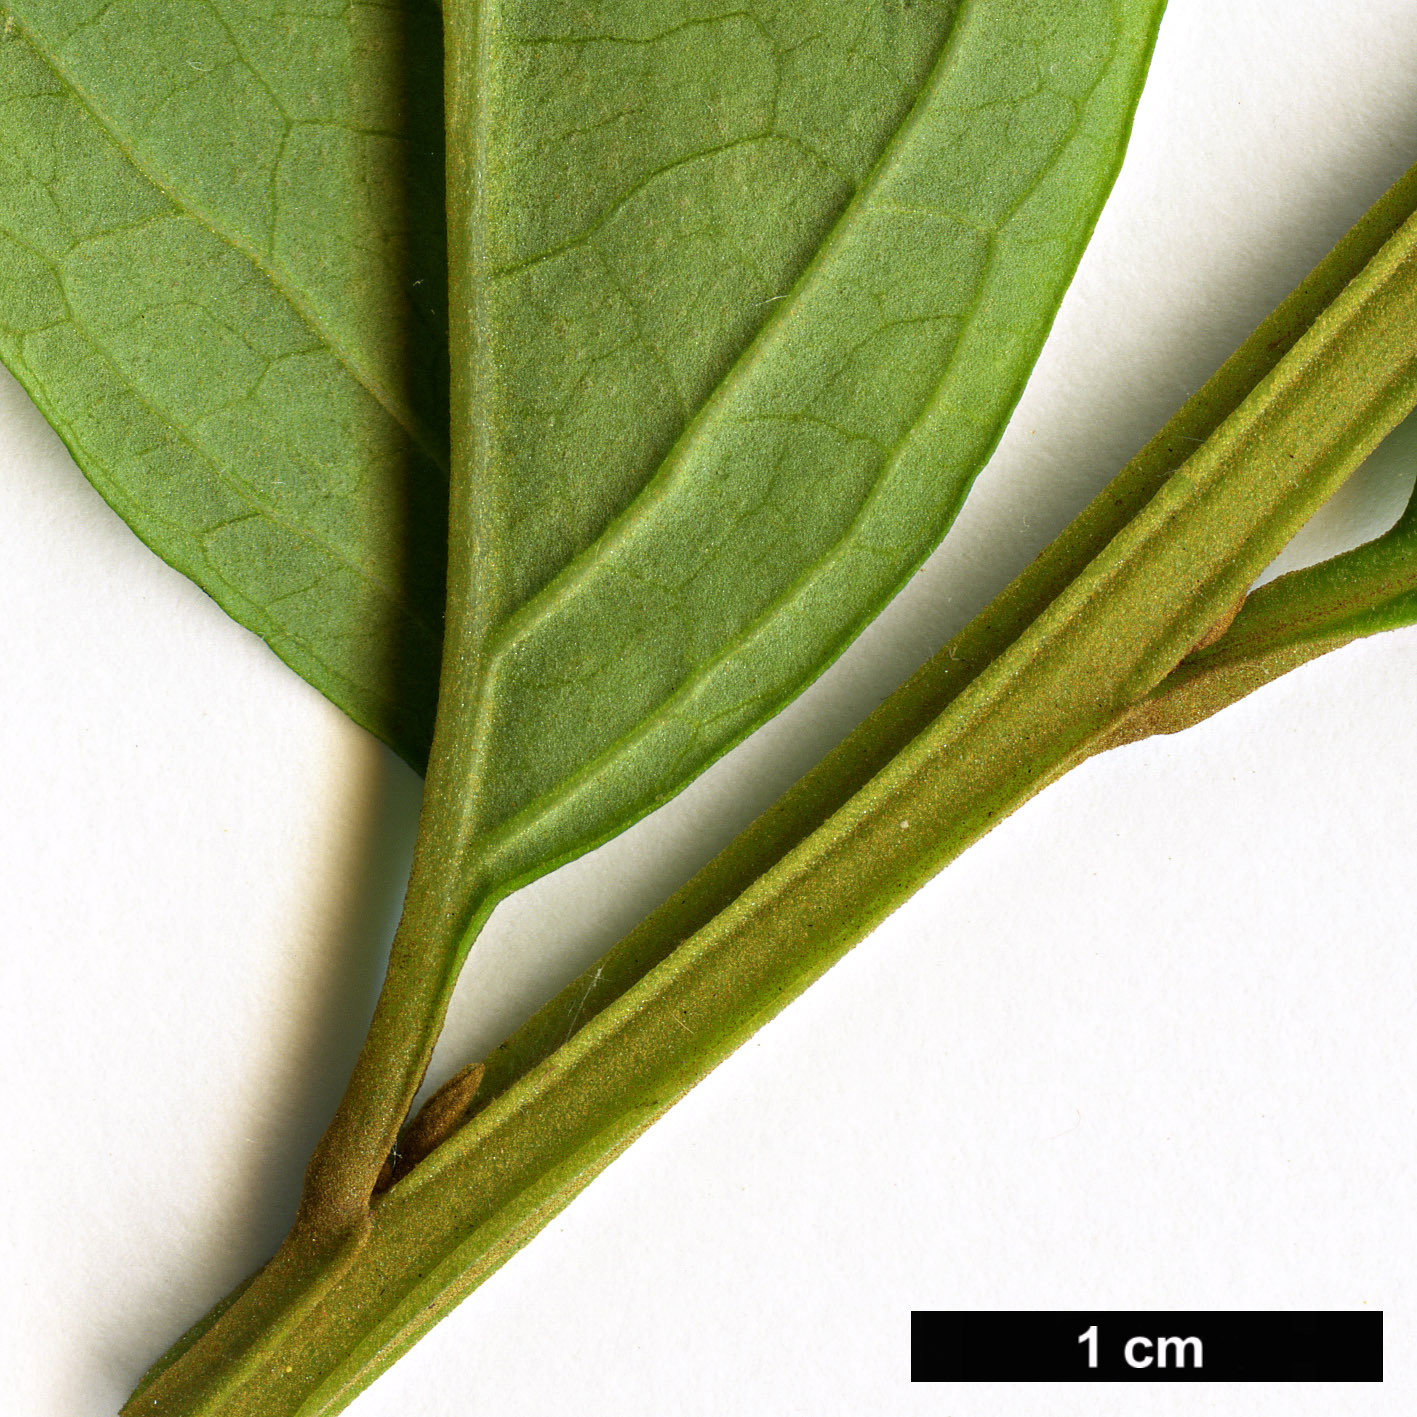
<point>1146,1347</point>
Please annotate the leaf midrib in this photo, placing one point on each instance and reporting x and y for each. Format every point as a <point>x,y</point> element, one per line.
<point>280,283</point>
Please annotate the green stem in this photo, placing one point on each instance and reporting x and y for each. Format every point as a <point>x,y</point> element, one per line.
<point>921,698</point>
<point>1106,640</point>
<point>1293,619</point>
<point>449,899</point>
<point>450,892</point>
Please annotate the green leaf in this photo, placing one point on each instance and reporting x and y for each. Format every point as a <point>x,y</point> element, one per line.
<point>647,227</point>
<point>1294,618</point>
<point>596,660</point>
<point>222,281</point>
<point>741,304</point>
<point>1042,703</point>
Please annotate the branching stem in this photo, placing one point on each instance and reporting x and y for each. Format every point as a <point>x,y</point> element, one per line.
<point>1042,679</point>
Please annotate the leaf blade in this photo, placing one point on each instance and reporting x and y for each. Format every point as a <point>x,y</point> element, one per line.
<point>483,831</point>
<point>1037,709</point>
<point>202,361</point>
<point>823,466</point>
<point>1371,598</point>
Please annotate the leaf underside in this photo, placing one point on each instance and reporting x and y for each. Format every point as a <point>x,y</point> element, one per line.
<point>755,292</point>
<point>1039,680</point>
<point>222,279</point>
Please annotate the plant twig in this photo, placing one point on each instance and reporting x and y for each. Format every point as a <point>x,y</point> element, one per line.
<point>1057,687</point>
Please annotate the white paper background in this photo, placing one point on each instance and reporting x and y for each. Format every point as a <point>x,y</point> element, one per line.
<point>1148,1045</point>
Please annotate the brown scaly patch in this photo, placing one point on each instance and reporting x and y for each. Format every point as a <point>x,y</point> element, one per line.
<point>436,1121</point>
